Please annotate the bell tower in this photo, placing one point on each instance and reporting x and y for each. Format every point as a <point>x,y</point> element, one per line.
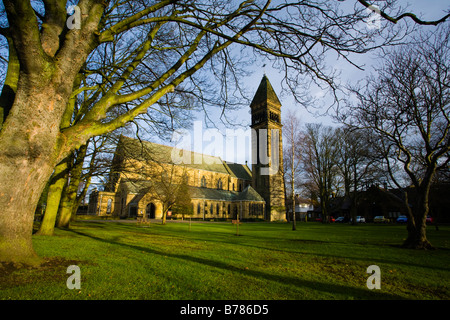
<point>267,147</point>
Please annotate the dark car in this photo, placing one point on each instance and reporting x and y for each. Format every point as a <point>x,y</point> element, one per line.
<point>402,219</point>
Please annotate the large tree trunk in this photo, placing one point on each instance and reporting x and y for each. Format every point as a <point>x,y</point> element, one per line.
<point>23,177</point>
<point>417,237</point>
<point>29,152</point>
<point>21,183</point>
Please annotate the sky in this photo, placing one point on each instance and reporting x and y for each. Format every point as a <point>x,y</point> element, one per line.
<point>239,151</point>
<point>210,141</point>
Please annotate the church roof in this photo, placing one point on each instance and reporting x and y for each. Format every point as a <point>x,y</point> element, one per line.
<point>136,186</point>
<point>212,194</point>
<point>249,194</point>
<point>239,170</point>
<point>265,93</point>
<point>150,151</point>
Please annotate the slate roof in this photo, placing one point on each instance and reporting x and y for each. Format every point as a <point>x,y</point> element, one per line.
<point>239,170</point>
<point>136,186</point>
<point>212,194</point>
<point>265,93</point>
<point>249,194</point>
<point>150,151</point>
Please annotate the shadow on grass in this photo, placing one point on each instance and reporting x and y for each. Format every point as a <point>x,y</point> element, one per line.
<point>359,293</point>
<point>228,238</point>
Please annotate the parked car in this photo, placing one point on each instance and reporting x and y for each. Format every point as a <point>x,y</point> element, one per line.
<point>331,219</point>
<point>402,219</point>
<point>359,219</point>
<point>429,219</point>
<point>340,220</point>
<point>380,219</point>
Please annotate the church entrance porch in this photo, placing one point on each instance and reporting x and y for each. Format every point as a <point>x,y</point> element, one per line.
<point>151,210</point>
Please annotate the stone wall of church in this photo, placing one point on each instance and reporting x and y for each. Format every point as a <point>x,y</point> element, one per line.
<point>133,205</point>
<point>102,203</point>
<point>217,209</point>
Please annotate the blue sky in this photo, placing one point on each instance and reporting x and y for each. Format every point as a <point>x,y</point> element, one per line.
<point>426,10</point>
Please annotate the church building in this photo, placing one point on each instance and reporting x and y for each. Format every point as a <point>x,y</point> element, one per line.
<point>145,182</point>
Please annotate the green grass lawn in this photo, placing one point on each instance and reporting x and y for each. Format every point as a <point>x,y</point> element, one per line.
<point>266,261</point>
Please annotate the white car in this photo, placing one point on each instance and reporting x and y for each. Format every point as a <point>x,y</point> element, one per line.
<point>359,219</point>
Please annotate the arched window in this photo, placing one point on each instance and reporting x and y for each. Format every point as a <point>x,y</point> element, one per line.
<point>203,182</point>
<point>198,209</point>
<point>217,209</point>
<point>108,206</point>
<point>219,184</point>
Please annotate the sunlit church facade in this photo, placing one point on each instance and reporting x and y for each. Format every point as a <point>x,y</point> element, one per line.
<point>143,173</point>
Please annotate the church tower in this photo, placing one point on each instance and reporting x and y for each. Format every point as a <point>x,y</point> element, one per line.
<point>267,147</point>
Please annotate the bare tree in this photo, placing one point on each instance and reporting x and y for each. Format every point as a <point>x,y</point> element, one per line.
<point>320,159</point>
<point>407,107</point>
<point>292,156</point>
<point>165,184</point>
<point>355,164</point>
<point>183,200</point>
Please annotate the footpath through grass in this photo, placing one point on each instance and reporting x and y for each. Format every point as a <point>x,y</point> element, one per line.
<point>267,261</point>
